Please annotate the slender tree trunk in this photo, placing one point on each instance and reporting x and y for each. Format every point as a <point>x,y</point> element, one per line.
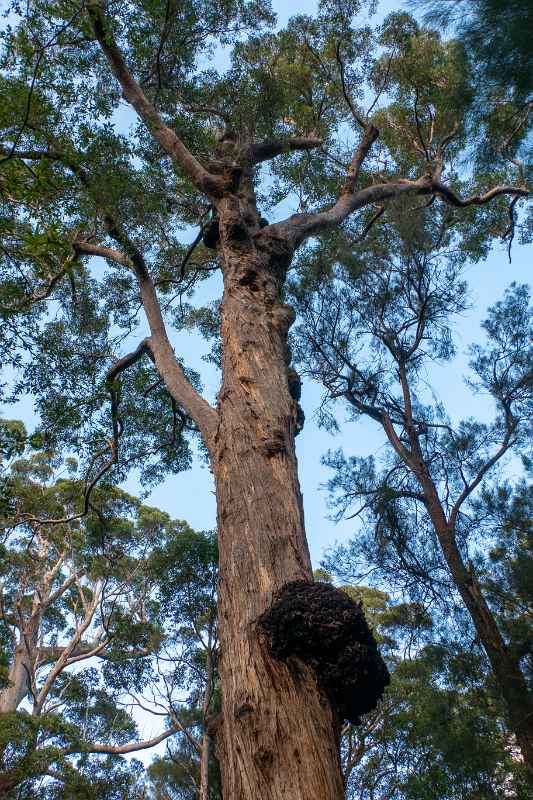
<point>205,753</point>
<point>203,791</point>
<point>277,739</point>
<point>10,699</point>
<point>505,667</point>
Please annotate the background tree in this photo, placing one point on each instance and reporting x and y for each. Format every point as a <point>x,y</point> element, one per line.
<point>188,570</point>
<point>438,733</point>
<point>439,705</point>
<point>292,106</point>
<point>93,629</point>
<point>494,33</point>
<point>427,505</point>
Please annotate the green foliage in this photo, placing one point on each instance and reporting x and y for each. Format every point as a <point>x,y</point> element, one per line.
<point>370,337</point>
<point>114,605</point>
<point>283,83</point>
<point>74,167</point>
<point>496,37</point>
<point>437,732</point>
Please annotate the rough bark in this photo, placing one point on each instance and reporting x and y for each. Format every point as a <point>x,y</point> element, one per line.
<point>277,738</point>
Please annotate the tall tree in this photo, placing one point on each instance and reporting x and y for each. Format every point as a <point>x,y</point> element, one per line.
<point>370,339</point>
<point>74,187</point>
<point>92,628</point>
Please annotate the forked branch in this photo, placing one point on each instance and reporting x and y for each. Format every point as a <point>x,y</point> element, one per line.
<point>453,199</point>
<point>299,227</point>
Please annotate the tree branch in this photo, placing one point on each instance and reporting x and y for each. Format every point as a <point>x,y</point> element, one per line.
<point>369,137</point>
<point>299,227</point>
<point>127,361</point>
<point>348,98</point>
<point>270,148</point>
<point>163,135</point>
<point>374,218</point>
<point>63,660</point>
<point>167,365</point>
<point>30,155</point>
<point>484,469</point>
<point>104,252</point>
<point>67,583</point>
<point>475,200</point>
<point>121,749</point>
<point>177,383</point>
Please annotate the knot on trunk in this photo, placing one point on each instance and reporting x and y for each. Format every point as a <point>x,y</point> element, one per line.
<point>278,250</point>
<point>282,317</point>
<point>325,628</point>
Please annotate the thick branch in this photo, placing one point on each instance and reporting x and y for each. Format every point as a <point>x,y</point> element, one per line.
<point>170,370</point>
<point>168,367</point>
<point>163,135</point>
<point>104,252</point>
<point>84,650</point>
<point>369,137</point>
<point>177,383</point>
<point>67,583</point>
<point>264,151</point>
<point>127,361</point>
<point>299,227</point>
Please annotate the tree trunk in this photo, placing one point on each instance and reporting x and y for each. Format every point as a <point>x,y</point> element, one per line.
<point>505,667</point>
<point>278,737</point>
<point>205,752</point>
<point>10,699</point>
<point>12,696</point>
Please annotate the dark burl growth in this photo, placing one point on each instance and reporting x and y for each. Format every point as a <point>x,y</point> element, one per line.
<point>324,627</point>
